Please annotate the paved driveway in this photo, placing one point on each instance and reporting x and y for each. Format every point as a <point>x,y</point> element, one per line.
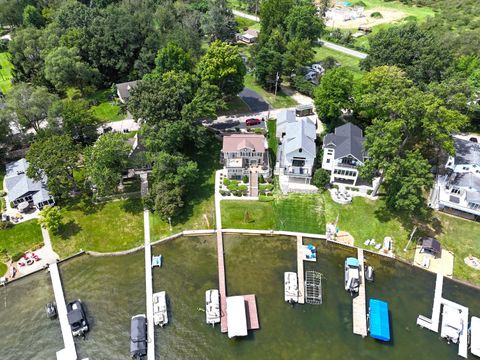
<point>254,101</point>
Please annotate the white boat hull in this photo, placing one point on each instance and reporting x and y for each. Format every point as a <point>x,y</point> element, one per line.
<point>291,287</point>
<point>160,313</point>
<point>212,307</point>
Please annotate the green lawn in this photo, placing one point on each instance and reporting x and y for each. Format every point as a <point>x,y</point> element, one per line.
<point>349,62</point>
<point>421,13</point>
<point>272,139</point>
<point>247,215</point>
<point>106,108</point>
<point>6,68</point>
<point>19,239</point>
<point>277,102</point>
<point>112,226</point>
<point>243,23</point>
<point>235,106</point>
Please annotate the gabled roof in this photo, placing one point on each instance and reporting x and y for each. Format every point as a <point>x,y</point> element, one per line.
<point>347,140</point>
<point>466,152</point>
<point>124,89</point>
<point>236,142</point>
<point>286,116</point>
<point>300,135</point>
<point>19,184</point>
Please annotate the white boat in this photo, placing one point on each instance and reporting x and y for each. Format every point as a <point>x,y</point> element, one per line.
<point>369,273</point>
<point>452,324</point>
<point>291,287</point>
<point>475,336</point>
<point>212,306</point>
<point>160,315</point>
<point>352,275</point>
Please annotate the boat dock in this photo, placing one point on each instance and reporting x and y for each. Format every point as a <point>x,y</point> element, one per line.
<point>434,322</point>
<point>300,273</point>
<point>149,287</point>
<point>222,288</point>
<point>359,302</point>
<point>68,352</point>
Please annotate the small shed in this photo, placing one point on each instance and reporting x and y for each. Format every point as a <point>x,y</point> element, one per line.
<point>431,245</point>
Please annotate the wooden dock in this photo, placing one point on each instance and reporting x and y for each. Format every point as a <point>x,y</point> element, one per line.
<point>221,283</point>
<point>68,352</point>
<point>252,314</point>
<point>359,302</point>
<point>149,287</point>
<point>300,273</point>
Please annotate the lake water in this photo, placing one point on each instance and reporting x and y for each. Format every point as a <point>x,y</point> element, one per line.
<point>113,290</point>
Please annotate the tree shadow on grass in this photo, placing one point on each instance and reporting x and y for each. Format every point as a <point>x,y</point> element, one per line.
<point>69,229</point>
<point>133,205</point>
<point>83,204</point>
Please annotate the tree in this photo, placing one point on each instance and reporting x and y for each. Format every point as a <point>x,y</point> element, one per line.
<point>321,179</point>
<point>30,104</point>
<point>64,68</point>
<point>303,23</point>
<point>168,200</point>
<point>334,94</point>
<point>26,55</point>
<point>76,120</point>
<point>57,157</point>
<point>298,54</point>
<point>11,11</point>
<point>32,17</point>
<point>268,67</point>
<point>160,99</point>
<point>51,218</point>
<point>417,51</point>
<point>219,22</point>
<point>223,66</point>
<point>172,58</point>
<point>207,101</point>
<point>273,15</point>
<point>105,161</point>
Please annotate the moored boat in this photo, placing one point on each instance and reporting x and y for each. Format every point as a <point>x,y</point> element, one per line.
<point>77,318</point>
<point>291,287</point>
<point>352,275</point>
<point>212,306</point>
<point>475,336</point>
<point>51,310</point>
<point>160,314</point>
<point>138,337</point>
<point>452,324</point>
<point>369,273</point>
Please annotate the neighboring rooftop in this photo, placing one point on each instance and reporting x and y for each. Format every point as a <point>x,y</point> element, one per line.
<point>347,140</point>
<point>466,152</point>
<point>300,135</point>
<point>123,89</point>
<point>236,142</point>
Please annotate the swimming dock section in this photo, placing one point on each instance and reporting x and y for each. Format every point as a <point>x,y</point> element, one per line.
<point>68,352</point>
<point>149,287</point>
<point>359,302</point>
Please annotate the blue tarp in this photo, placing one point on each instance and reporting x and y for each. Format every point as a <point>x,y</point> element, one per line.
<point>351,261</point>
<point>379,322</point>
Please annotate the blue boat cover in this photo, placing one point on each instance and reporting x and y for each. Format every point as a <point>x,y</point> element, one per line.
<point>379,322</point>
<point>351,261</point>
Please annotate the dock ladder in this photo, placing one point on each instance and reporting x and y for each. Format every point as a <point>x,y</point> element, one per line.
<point>313,288</point>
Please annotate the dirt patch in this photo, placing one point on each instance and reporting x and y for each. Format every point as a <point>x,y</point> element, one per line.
<point>388,16</point>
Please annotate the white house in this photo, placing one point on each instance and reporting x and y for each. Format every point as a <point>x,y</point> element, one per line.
<point>296,150</point>
<point>458,190</point>
<point>343,153</point>
<point>243,153</point>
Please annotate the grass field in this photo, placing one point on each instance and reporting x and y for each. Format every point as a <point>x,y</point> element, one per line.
<point>349,62</point>
<point>19,239</point>
<point>235,106</point>
<point>106,109</point>
<point>277,102</point>
<point>363,219</point>
<point>112,226</point>
<point>243,23</point>
<point>6,68</point>
<point>421,13</point>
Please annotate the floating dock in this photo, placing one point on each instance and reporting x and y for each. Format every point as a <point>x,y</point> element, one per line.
<point>149,287</point>
<point>359,302</point>
<point>433,323</point>
<point>300,274</point>
<point>69,352</point>
<point>252,314</point>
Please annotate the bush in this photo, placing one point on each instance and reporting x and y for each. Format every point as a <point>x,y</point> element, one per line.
<point>17,256</point>
<point>266,198</point>
<point>2,193</point>
<point>360,3</point>
<point>226,181</point>
<point>369,192</point>
<point>5,225</point>
<point>321,178</point>
<point>261,179</point>
<point>224,193</point>
<point>376,15</point>
<point>3,45</point>
<point>232,186</point>
<point>303,86</point>
<point>245,179</point>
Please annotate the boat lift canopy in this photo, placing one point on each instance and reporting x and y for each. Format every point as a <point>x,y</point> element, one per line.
<point>236,316</point>
<point>353,262</point>
<point>379,322</point>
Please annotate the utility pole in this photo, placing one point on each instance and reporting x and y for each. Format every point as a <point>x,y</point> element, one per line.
<point>276,83</point>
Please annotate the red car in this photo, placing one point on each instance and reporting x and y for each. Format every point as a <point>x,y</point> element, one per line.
<point>253,121</point>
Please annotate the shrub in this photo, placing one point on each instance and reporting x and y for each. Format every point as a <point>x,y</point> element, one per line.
<point>226,181</point>
<point>245,179</point>
<point>2,193</point>
<point>5,225</point>
<point>17,256</point>
<point>261,179</point>
<point>360,3</point>
<point>376,15</point>
<point>303,86</point>
<point>335,186</point>
<point>224,193</point>
<point>266,198</point>
<point>369,192</point>
<point>321,178</point>
<point>233,186</point>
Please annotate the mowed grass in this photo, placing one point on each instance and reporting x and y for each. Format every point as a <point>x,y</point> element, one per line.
<point>235,106</point>
<point>349,62</point>
<point>243,23</point>
<point>421,13</point>
<point>112,226</point>
<point>6,68</point>
<point>240,214</point>
<point>277,102</point>
<point>105,108</point>
<point>19,239</point>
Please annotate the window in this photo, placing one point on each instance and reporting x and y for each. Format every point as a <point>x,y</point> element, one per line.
<point>328,161</point>
<point>455,191</point>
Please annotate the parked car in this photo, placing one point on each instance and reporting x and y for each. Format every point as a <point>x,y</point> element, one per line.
<point>138,337</point>
<point>474,139</point>
<point>253,121</point>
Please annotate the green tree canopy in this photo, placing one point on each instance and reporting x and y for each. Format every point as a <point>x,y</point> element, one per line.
<point>32,17</point>
<point>273,14</point>
<point>268,67</point>
<point>223,66</point>
<point>172,58</point>
<point>26,55</point>
<point>219,22</point>
<point>303,23</point>
<point>105,161</point>
<point>51,218</point>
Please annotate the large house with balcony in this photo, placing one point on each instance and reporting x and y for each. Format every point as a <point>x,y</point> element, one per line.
<point>343,153</point>
<point>458,190</point>
<point>243,154</point>
<point>296,151</point>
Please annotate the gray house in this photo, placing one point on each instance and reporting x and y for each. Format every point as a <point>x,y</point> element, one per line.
<point>21,188</point>
<point>123,90</point>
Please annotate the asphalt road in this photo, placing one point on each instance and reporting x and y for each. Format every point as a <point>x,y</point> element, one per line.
<point>254,101</point>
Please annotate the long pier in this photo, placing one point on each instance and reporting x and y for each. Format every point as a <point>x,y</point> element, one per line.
<point>68,352</point>
<point>221,283</point>
<point>149,286</point>
<point>359,302</point>
<point>300,272</point>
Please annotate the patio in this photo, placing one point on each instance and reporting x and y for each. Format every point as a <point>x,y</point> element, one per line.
<point>429,255</point>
